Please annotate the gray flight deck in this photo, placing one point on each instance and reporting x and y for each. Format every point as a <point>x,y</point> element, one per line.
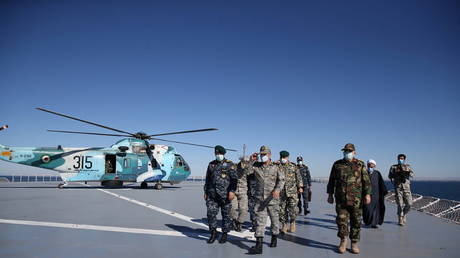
<point>40,220</point>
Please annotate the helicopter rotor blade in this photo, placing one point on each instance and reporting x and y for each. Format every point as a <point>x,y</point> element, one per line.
<point>100,134</point>
<point>84,121</point>
<point>188,131</point>
<point>187,143</point>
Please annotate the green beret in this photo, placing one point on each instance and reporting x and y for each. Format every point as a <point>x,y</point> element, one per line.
<point>284,154</point>
<point>220,150</point>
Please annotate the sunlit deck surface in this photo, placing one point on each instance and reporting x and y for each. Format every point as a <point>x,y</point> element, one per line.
<point>40,220</point>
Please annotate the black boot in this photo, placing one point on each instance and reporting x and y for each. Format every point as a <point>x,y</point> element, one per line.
<point>306,212</point>
<point>274,241</point>
<point>223,238</point>
<point>213,236</point>
<point>257,249</point>
<point>237,226</point>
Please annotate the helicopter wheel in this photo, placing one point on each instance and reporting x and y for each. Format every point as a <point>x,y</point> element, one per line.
<point>158,186</point>
<point>61,185</point>
<point>144,185</point>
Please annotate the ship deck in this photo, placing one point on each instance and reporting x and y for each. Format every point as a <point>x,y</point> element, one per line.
<point>40,220</point>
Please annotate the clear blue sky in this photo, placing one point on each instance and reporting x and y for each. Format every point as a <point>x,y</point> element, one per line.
<point>305,76</point>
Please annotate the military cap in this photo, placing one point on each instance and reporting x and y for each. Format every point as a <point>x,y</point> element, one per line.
<point>284,154</point>
<point>349,147</point>
<point>299,158</point>
<point>265,150</point>
<point>219,149</point>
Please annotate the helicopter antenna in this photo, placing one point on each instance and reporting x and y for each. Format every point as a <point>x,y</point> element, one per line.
<point>244,150</point>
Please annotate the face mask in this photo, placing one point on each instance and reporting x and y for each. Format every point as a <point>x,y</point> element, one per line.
<point>401,162</point>
<point>300,163</point>
<point>370,170</point>
<point>348,155</point>
<point>219,157</point>
<point>284,161</point>
<point>264,158</point>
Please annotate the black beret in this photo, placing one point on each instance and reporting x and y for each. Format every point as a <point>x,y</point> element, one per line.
<point>220,150</point>
<point>284,154</point>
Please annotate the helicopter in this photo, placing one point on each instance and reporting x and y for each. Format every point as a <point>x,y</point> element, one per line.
<point>131,159</point>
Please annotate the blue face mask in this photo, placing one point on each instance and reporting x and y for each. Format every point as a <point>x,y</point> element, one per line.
<point>401,162</point>
<point>348,155</point>
<point>370,170</point>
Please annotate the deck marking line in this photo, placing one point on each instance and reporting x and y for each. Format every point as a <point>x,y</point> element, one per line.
<point>94,227</point>
<point>246,234</point>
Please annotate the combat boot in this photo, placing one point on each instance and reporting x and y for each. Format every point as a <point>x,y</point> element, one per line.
<point>213,236</point>
<point>343,245</point>
<point>284,229</point>
<point>257,249</point>
<point>237,226</point>
<point>354,247</point>
<point>401,221</point>
<point>293,227</point>
<point>274,241</point>
<point>223,238</point>
<point>405,219</point>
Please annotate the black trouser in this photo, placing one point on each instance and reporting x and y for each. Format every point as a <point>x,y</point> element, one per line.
<point>303,196</point>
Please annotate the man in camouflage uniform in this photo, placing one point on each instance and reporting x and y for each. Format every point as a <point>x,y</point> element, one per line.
<point>219,191</point>
<point>239,209</point>
<point>348,182</point>
<point>400,175</point>
<point>269,182</point>
<point>293,185</point>
<point>306,178</point>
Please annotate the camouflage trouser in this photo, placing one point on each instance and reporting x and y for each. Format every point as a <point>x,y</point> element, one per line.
<point>273,209</point>
<point>288,208</point>
<point>347,214</point>
<point>403,198</point>
<point>239,209</point>
<point>303,196</point>
<point>213,205</point>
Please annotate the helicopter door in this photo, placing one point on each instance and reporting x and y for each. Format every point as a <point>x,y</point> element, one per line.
<point>110,163</point>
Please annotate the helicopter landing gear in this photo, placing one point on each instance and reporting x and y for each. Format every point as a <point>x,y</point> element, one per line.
<point>144,185</point>
<point>158,186</point>
<point>61,185</point>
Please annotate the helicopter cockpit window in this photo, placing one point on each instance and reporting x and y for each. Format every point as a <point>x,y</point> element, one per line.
<point>138,149</point>
<point>179,161</point>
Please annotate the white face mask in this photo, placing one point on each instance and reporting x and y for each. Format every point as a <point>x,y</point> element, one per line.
<point>348,155</point>
<point>264,158</point>
<point>219,157</point>
<point>284,161</point>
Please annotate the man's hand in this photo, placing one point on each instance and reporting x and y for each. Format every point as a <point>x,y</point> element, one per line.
<point>231,196</point>
<point>300,190</point>
<point>330,199</point>
<point>367,199</point>
<point>276,194</point>
<point>205,196</point>
<point>254,156</point>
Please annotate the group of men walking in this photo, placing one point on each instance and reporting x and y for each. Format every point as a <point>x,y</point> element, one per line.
<point>280,189</point>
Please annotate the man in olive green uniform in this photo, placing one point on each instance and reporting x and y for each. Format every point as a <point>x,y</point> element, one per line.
<point>289,194</point>
<point>400,175</point>
<point>239,209</point>
<point>269,182</point>
<point>349,183</point>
